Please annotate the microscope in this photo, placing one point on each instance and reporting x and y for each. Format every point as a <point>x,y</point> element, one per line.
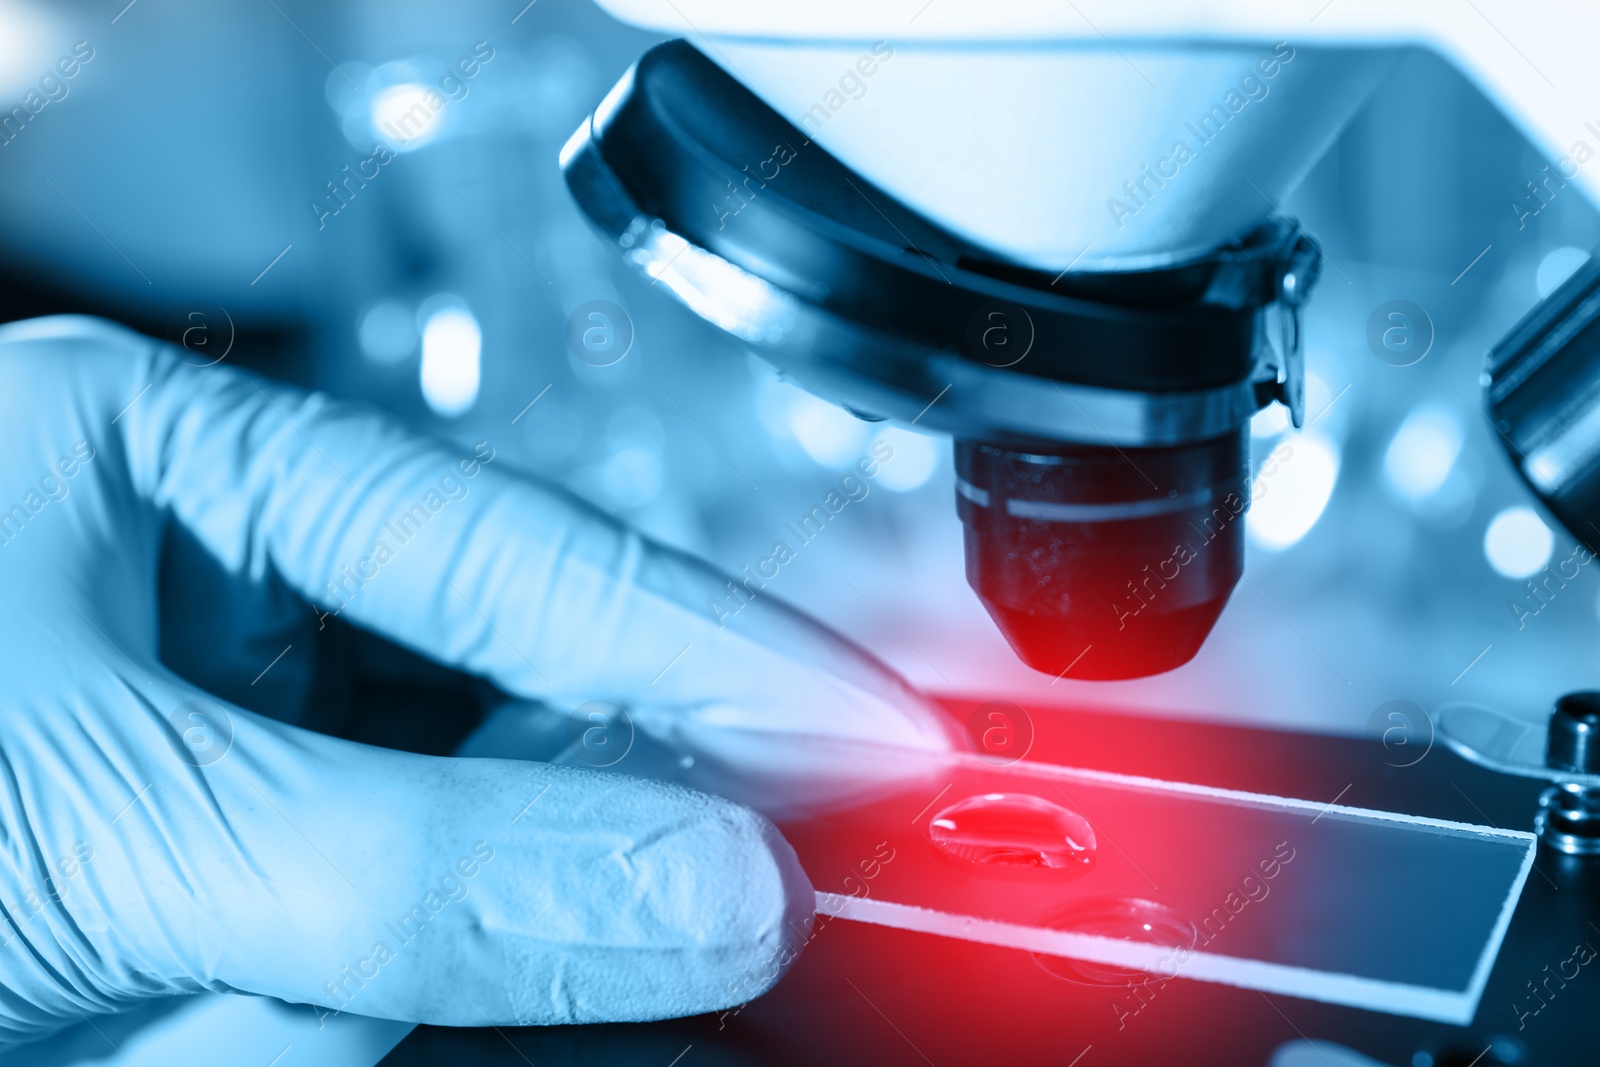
<point>1055,232</point>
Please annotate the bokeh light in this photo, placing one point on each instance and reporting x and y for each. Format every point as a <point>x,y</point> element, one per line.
<point>406,116</point>
<point>1517,542</point>
<point>1556,267</point>
<point>1292,491</point>
<point>452,345</point>
<point>916,457</point>
<point>828,433</point>
<point>1422,452</point>
<point>388,332</point>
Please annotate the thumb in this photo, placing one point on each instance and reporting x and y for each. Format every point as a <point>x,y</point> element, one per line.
<point>276,861</point>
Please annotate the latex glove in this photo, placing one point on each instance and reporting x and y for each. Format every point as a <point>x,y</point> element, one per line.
<point>157,840</point>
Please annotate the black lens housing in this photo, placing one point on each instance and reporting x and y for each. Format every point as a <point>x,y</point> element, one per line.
<point>1100,563</point>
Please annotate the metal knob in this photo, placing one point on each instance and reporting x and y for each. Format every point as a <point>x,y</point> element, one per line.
<point>1574,743</point>
<point>1562,747</point>
<point>1569,813</point>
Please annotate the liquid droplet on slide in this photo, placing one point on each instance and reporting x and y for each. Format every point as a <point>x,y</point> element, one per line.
<point>1125,919</point>
<point>1013,830</point>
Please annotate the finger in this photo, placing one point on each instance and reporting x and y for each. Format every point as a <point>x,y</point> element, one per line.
<point>781,775</point>
<point>446,551</point>
<point>451,891</point>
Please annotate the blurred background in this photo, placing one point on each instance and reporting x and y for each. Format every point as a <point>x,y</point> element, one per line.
<point>256,182</point>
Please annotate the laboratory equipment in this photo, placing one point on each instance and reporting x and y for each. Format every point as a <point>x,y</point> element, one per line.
<point>862,992</point>
<point>1559,747</point>
<point>1184,881</point>
<point>1091,298</point>
<point>1126,880</point>
<point>1101,420</point>
<point>1543,386</point>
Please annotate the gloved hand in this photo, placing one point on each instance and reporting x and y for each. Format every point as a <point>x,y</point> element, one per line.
<point>159,840</point>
